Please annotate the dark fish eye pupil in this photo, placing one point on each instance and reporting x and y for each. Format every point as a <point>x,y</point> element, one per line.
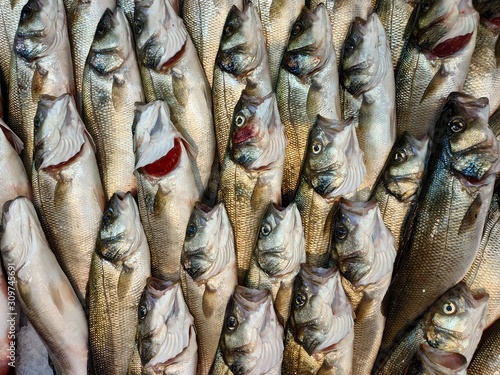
<point>27,12</point>
<point>240,120</point>
<point>300,299</point>
<point>232,323</point>
<point>228,30</point>
<point>142,311</point>
<point>191,230</point>
<point>399,156</point>
<point>316,148</point>
<point>138,27</point>
<point>297,29</point>
<point>340,233</point>
<point>425,6</point>
<point>349,46</point>
<point>265,230</point>
<point>457,125</point>
<point>100,30</point>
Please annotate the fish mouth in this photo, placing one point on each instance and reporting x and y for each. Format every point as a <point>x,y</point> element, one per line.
<point>357,68</point>
<point>31,34</point>
<point>106,241</point>
<point>152,55</point>
<point>302,62</point>
<point>247,134</point>
<point>227,60</point>
<point>326,182</point>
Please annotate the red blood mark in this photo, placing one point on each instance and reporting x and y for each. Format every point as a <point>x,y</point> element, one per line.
<point>450,46</point>
<point>244,134</point>
<point>174,58</point>
<point>166,163</point>
<point>69,161</point>
<point>495,21</point>
<point>473,180</point>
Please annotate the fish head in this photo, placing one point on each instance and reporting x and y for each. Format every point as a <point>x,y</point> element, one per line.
<point>321,314</point>
<point>280,247</point>
<point>333,163</point>
<point>257,134</point>
<point>242,47</point>
<point>402,176</point>
<point>160,34</point>
<point>309,45</point>
<point>365,55</point>
<point>457,319</point>
<point>112,43</point>
<point>445,27</point>
<point>39,30</point>
<point>489,11</point>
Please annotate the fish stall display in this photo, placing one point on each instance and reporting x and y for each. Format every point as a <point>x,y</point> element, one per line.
<point>249,187</point>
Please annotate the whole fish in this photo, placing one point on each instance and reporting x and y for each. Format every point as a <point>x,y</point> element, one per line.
<point>42,288</point>
<point>308,85</point>
<point>454,323</point>
<point>278,253</point>
<point>40,64</point>
<point>434,62</point>
<point>400,182</point>
<point>252,338</point>
<point>166,335</point>
<point>15,180</point>
<point>277,18</point>
<point>111,87</point>
<point>171,71</point>
<point>432,361</point>
<point>67,190</point>
<point>83,18</point>
<point>241,63</point>
<point>486,360</point>
<point>167,189</point>
<point>365,253</point>
<point>319,338</point>
<point>333,167</point>
<point>209,276</point>
<point>118,273</point>
<point>205,23</point>
<point>447,225</point>
<point>367,74</point>
<point>252,171</point>
<point>483,77</point>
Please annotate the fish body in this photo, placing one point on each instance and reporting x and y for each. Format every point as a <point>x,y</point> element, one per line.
<point>67,190</point>
<point>432,361</point>
<point>208,277</point>
<point>42,288</point>
<point>308,85</point>
<point>111,87</point>
<point>333,167</point>
<point>118,273</point>
<point>166,333</point>
<point>486,360</point>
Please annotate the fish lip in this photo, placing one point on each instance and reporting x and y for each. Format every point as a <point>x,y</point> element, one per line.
<point>109,240</point>
<point>30,34</point>
<point>272,250</point>
<point>454,334</point>
<point>357,67</point>
<point>352,255</point>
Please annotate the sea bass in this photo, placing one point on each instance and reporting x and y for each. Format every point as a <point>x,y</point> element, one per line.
<point>118,273</point>
<point>111,87</point>
<point>252,171</point>
<point>367,74</point>
<point>278,253</point>
<point>308,85</point>
<point>209,276</point>
<point>67,190</point>
<point>432,361</point>
<point>166,333</point>
<point>434,62</point>
<point>486,360</point>
<point>171,71</point>
<point>333,167</point>
<point>167,187</point>
<point>42,288</point>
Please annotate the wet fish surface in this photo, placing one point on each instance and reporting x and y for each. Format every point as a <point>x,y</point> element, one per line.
<point>432,361</point>
<point>486,360</point>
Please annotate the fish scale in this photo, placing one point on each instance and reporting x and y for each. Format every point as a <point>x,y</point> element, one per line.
<point>487,358</point>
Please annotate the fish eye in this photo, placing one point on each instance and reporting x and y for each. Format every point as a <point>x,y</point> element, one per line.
<point>27,12</point>
<point>239,120</point>
<point>37,122</point>
<point>231,323</point>
<point>300,300</point>
<point>399,156</point>
<point>191,230</point>
<point>349,46</point>
<point>101,30</point>
<point>265,229</point>
<point>316,148</point>
<point>297,29</point>
<point>424,7</point>
<point>107,216</point>
<point>228,30</point>
<point>340,232</point>
<point>138,26</point>
<point>456,125</point>
<point>142,311</point>
<point>449,308</point>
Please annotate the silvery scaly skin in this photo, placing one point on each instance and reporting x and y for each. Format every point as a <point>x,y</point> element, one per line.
<point>208,276</point>
<point>432,361</point>
<point>166,333</point>
<point>308,85</point>
<point>486,360</point>
<point>67,190</point>
<point>43,290</point>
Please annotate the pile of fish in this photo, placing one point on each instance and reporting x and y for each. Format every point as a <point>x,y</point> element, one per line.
<point>228,187</point>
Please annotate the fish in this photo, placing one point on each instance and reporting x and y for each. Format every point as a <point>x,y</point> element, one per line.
<point>400,182</point>
<point>208,276</point>
<point>333,167</point>
<point>432,361</point>
<point>42,289</point>
<point>166,333</point>
<point>40,64</point>
<point>367,74</point>
<point>128,7</point>
<point>171,71</point>
<point>453,323</point>
<point>495,124</point>
<point>434,62</point>
<point>278,253</point>
<point>15,181</point>
<point>118,273</point>
<point>241,64</point>
<point>319,335</point>
<point>204,22</point>
<point>167,189</point>
<point>111,87</point>
<point>252,338</point>
<point>483,76</point>
<point>486,360</point>
<point>446,226</point>
<point>277,18</point>
<point>67,190</point>
<point>364,251</point>
<point>308,85</point>
<point>83,18</point>
<point>252,171</point>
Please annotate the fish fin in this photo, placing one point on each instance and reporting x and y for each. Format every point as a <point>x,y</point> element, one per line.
<point>12,137</point>
<point>470,217</point>
<point>436,82</point>
<point>209,300</point>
